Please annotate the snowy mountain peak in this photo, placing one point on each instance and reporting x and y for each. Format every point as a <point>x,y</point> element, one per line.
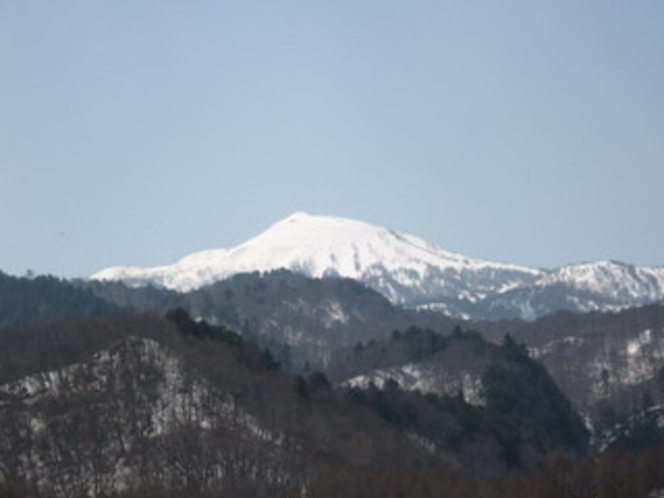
<point>408,270</point>
<point>325,244</point>
<point>318,246</point>
<point>296,216</point>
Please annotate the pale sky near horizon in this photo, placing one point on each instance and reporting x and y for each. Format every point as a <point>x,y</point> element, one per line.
<point>136,132</point>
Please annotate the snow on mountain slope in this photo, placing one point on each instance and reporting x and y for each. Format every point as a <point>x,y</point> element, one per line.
<point>605,286</point>
<point>403,267</point>
<point>426,377</point>
<point>92,428</point>
<point>612,279</point>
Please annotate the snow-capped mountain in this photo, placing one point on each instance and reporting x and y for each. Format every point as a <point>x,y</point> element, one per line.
<point>403,267</point>
<point>408,271</point>
<point>599,286</point>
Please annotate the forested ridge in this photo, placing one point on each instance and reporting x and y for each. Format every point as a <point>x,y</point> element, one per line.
<point>27,299</point>
<point>98,399</point>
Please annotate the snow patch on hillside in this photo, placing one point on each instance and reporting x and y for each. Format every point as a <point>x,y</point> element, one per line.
<point>426,378</point>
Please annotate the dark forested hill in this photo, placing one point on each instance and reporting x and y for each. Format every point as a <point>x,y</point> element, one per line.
<point>100,406</point>
<point>145,406</point>
<point>96,407</point>
<point>502,388</point>
<point>301,319</point>
<point>194,404</point>
<point>23,300</point>
<point>608,364</point>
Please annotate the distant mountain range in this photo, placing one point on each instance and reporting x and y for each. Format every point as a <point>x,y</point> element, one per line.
<point>409,271</point>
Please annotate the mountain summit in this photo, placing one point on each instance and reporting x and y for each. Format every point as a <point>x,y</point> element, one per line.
<point>407,270</point>
<point>403,267</point>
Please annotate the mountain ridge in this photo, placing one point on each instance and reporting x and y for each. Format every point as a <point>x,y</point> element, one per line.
<point>407,270</point>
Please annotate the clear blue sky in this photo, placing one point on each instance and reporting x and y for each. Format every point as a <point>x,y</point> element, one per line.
<point>136,132</point>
